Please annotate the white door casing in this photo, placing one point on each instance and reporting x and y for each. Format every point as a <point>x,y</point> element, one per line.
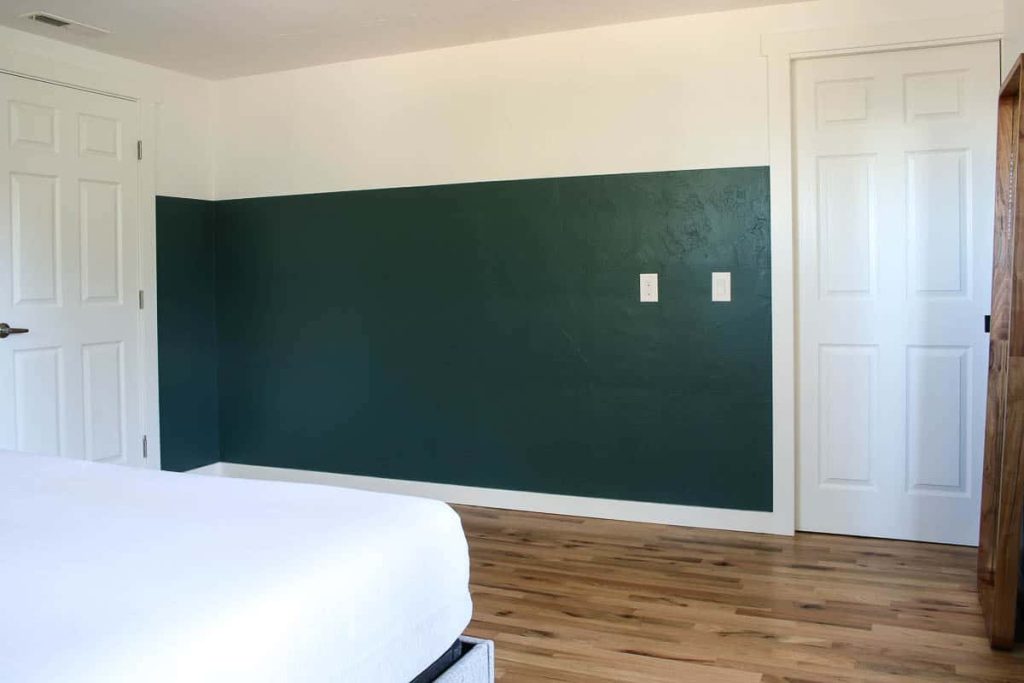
<point>894,175</point>
<point>69,272</point>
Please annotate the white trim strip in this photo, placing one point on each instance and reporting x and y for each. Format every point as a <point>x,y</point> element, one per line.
<point>62,84</point>
<point>623,510</point>
<point>214,469</point>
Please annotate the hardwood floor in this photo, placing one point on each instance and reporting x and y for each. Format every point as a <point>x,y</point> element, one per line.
<point>571,599</point>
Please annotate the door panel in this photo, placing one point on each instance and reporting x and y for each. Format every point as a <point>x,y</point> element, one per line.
<point>35,217</point>
<point>100,202</point>
<point>38,400</point>
<point>937,222</point>
<point>937,425</point>
<point>33,127</point>
<point>894,157</point>
<point>103,405</point>
<point>69,267</point>
<point>848,381</point>
<point>847,232</point>
<point>99,136</point>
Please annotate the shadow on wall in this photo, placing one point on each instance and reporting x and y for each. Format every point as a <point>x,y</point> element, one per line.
<point>187,333</point>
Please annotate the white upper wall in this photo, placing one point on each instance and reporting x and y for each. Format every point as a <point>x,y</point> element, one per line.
<point>1013,45</point>
<point>688,92</point>
<point>176,109</point>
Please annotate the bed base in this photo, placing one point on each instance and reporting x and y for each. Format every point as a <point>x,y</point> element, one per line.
<point>468,660</point>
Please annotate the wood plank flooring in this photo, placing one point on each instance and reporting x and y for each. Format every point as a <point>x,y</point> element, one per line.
<point>572,599</point>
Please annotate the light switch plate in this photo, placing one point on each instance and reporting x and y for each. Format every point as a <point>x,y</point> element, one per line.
<point>649,287</point>
<point>721,287</point>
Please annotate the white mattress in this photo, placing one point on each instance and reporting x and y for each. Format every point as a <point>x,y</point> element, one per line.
<point>114,574</point>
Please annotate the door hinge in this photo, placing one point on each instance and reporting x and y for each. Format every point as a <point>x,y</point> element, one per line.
<point>988,324</point>
<point>138,149</point>
<point>142,300</point>
<point>145,447</point>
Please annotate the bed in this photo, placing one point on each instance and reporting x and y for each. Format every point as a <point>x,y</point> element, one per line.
<point>117,574</point>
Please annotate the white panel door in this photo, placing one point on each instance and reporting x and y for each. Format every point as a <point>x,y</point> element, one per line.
<point>69,272</point>
<point>895,155</point>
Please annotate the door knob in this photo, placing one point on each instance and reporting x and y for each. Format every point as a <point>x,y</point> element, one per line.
<point>6,330</point>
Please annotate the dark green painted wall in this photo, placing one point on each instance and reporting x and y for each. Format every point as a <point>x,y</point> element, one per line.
<point>491,335</point>
<point>187,333</point>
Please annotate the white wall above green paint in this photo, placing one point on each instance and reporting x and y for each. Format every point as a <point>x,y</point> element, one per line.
<point>682,93</point>
<point>1013,44</point>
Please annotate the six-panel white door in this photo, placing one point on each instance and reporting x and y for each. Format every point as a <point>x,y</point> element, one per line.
<point>69,272</point>
<point>895,156</point>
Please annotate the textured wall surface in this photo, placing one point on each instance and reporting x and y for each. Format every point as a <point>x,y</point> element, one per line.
<point>187,329</point>
<point>491,334</point>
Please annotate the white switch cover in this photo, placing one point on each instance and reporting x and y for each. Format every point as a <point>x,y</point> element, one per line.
<point>721,286</point>
<point>648,286</point>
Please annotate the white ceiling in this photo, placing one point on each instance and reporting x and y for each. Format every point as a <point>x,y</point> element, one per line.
<point>225,38</point>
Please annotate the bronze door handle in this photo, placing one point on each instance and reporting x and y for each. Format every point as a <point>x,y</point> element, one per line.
<point>6,330</point>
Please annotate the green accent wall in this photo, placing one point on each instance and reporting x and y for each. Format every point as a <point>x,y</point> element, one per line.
<point>187,333</point>
<point>489,334</point>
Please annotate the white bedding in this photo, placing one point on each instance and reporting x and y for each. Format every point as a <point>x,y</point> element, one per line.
<point>114,574</point>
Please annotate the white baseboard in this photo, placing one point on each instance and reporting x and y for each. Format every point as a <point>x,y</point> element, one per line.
<point>624,510</point>
<point>215,469</point>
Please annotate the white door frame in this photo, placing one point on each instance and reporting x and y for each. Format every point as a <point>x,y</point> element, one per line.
<point>782,51</point>
<point>44,68</point>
